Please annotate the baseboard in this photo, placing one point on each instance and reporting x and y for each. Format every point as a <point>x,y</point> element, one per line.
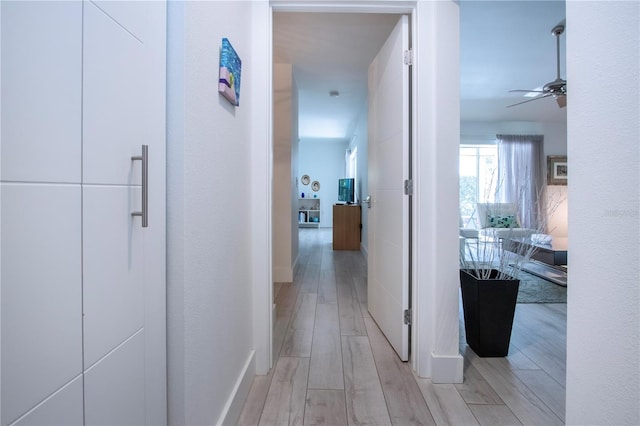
<point>364,251</point>
<point>233,407</point>
<point>282,274</point>
<point>447,369</point>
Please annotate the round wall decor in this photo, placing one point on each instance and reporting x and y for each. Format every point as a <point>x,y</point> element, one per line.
<point>305,179</point>
<point>315,186</point>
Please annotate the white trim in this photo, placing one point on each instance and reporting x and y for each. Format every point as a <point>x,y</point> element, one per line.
<point>232,409</point>
<point>282,274</point>
<point>337,6</point>
<point>447,369</point>
<point>429,136</point>
<point>261,183</point>
<point>437,118</point>
<point>384,6</point>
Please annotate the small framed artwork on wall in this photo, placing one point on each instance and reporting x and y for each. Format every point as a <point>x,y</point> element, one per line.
<point>557,170</point>
<point>230,71</point>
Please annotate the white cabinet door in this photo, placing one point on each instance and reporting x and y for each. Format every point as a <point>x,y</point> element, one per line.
<point>83,87</point>
<point>41,91</point>
<point>388,274</point>
<point>63,408</point>
<point>113,269</point>
<point>115,388</point>
<point>40,198</point>
<point>124,264</point>
<point>41,293</point>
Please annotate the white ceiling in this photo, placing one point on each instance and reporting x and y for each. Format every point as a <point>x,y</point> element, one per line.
<point>504,45</point>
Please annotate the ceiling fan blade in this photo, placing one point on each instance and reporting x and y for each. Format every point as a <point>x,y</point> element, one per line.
<point>529,100</point>
<point>526,91</point>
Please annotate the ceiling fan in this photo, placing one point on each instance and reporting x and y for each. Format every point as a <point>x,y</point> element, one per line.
<point>558,87</point>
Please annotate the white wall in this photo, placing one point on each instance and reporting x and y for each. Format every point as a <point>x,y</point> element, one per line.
<point>283,136</point>
<point>209,243</point>
<point>603,323</point>
<point>322,160</point>
<point>437,117</point>
<point>360,140</point>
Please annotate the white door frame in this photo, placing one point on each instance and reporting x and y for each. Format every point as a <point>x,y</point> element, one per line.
<point>435,144</point>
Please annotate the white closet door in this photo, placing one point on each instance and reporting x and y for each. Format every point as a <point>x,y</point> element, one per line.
<point>41,91</point>
<point>62,408</point>
<point>41,294</point>
<point>123,263</point>
<point>40,199</point>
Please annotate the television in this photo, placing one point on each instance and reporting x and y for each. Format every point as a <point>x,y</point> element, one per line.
<point>346,190</point>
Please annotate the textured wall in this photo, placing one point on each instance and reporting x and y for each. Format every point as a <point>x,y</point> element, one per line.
<point>210,335</point>
<point>603,325</point>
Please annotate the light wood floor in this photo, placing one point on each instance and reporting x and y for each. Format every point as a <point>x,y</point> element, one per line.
<point>333,366</point>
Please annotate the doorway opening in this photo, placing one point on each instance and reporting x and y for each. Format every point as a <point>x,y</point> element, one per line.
<point>322,130</point>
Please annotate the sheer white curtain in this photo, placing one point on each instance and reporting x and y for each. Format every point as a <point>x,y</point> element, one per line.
<point>520,177</point>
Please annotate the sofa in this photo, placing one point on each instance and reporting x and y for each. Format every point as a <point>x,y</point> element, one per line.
<point>496,220</point>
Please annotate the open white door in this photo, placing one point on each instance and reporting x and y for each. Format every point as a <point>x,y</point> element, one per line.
<point>388,275</point>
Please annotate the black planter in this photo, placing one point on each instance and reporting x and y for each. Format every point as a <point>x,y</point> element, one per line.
<point>489,306</point>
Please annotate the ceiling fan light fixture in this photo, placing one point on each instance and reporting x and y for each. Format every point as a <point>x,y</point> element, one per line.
<point>558,87</point>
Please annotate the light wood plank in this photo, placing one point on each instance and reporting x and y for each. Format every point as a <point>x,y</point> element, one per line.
<point>325,407</point>
<point>276,289</point>
<point>540,333</point>
<point>298,339</point>
<point>494,415</point>
<point>327,262</point>
<point>364,397</point>
<point>358,264</point>
<point>405,402</point>
<point>309,283</point>
<point>351,323</point>
<point>286,300</point>
<point>285,304</point>
<point>517,360</point>
<point>525,380</point>
<point>327,292</point>
<point>545,388</point>
<point>326,355</point>
<point>445,404</point>
<point>254,404</point>
<point>527,407</point>
<point>360,284</point>
<point>285,401</point>
<point>475,389</point>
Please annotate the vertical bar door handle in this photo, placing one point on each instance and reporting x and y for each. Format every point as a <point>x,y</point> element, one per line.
<point>144,213</point>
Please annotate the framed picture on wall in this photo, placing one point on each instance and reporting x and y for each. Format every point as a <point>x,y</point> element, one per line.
<point>230,72</point>
<point>557,170</point>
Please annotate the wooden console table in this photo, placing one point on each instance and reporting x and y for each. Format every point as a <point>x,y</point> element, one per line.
<point>346,227</point>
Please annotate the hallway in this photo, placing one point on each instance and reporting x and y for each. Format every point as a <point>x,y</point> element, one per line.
<point>333,366</point>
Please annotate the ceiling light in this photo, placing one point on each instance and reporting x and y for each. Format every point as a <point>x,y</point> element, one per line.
<point>334,93</point>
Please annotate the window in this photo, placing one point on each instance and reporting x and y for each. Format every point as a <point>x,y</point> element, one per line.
<point>478,180</point>
<point>352,166</point>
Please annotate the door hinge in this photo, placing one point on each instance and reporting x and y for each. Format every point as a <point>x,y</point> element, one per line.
<point>408,187</point>
<point>408,57</point>
<point>407,316</point>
